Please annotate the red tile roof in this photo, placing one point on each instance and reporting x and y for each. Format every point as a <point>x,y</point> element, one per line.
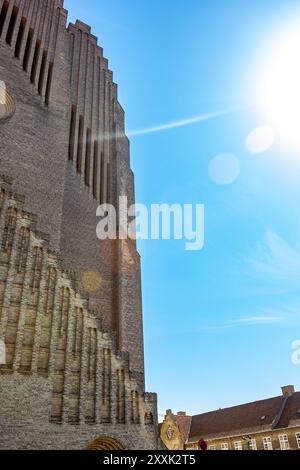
<point>277,412</point>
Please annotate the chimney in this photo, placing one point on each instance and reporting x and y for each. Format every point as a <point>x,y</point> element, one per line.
<point>181,413</point>
<point>288,390</point>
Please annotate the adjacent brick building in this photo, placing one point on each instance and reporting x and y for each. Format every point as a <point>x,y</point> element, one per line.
<point>270,424</point>
<point>70,305</point>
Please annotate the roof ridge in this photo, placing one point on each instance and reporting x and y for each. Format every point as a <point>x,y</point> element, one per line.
<point>238,406</point>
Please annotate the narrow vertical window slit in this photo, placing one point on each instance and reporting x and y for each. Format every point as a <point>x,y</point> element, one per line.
<point>88,157</point>
<point>95,169</point>
<point>102,176</point>
<point>27,49</point>
<point>11,26</point>
<point>42,72</point>
<point>49,83</point>
<point>80,143</point>
<point>3,15</point>
<point>72,133</point>
<point>20,38</point>
<point>35,61</point>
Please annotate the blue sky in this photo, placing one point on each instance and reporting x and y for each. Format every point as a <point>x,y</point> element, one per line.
<point>219,323</point>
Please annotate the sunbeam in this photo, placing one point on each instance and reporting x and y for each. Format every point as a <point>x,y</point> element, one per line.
<point>181,123</point>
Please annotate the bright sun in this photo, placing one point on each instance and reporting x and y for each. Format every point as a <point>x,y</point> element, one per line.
<point>278,84</point>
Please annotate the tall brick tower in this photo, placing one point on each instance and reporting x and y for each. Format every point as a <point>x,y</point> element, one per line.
<point>70,305</point>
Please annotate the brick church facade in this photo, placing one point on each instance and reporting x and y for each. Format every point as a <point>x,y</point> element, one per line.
<point>70,305</point>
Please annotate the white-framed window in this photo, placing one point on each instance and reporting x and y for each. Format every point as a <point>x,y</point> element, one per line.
<point>252,444</point>
<point>224,446</point>
<point>211,447</point>
<point>238,445</point>
<point>284,442</point>
<point>298,438</point>
<point>267,442</point>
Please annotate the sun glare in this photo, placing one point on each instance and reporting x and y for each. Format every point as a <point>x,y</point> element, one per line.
<point>278,84</point>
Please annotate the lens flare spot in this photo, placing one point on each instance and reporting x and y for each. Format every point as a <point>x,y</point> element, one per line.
<point>260,139</point>
<point>224,169</point>
<point>91,281</point>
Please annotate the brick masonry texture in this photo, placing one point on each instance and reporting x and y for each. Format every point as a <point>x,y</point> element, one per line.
<point>75,364</point>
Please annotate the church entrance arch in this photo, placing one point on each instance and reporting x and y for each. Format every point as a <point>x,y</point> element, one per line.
<point>105,443</point>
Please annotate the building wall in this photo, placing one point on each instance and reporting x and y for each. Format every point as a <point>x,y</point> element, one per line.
<point>66,149</point>
<point>170,433</point>
<point>172,437</point>
<point>39,433</point>
<point>33,143</point>
<point>64,152</point>
<point>63,380</point>
<point>216,443</point>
